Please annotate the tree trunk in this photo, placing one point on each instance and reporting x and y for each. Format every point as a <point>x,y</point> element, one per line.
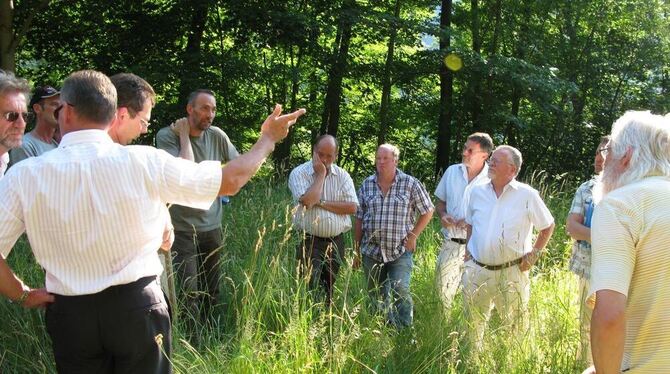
<point>191,69</point>
<point>282,154</point>
<point>446,93</point>
<point>386,78</point>
<point>10,38</point>
<point>331,112</point>
<point>475,83</point>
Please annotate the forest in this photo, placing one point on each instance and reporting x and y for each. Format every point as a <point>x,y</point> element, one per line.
<point>547,76</point>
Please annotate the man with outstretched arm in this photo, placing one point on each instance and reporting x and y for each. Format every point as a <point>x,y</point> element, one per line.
<point>94,227</point>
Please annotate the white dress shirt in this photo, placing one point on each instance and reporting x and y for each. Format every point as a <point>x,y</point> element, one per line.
<point>337,186</point>
<point>454,189</point>
<point>94,210</point>
<point>502,226</point>
<point>4,161</point>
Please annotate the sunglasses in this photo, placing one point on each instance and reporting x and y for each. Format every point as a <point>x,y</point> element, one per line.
<point>14,116</point>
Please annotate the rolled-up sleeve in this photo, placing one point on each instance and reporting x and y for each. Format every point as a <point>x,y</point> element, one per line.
<point>188,183</point>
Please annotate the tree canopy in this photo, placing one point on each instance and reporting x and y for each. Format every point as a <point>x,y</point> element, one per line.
<point>548,77</point>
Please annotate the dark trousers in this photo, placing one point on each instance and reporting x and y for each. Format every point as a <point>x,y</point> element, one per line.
<point>320,260</point>
<point>196,263</point>
<point>122,329</point>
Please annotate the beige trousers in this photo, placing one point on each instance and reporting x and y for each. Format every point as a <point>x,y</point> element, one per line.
<point>448,271</point>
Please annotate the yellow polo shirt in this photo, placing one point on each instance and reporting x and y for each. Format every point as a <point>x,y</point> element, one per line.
<point>631,255</point>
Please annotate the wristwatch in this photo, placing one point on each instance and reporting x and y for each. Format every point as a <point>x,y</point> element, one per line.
<point>321,202</point>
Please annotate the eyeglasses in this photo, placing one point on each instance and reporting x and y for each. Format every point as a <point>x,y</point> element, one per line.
<point>604,151</point>
<point>57,110</point>
<point>14,116</point>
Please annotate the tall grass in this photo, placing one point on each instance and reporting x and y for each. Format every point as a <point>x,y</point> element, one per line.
<point>267,321</point>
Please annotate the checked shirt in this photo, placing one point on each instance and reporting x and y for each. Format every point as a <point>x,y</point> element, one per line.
<point>387,219</point>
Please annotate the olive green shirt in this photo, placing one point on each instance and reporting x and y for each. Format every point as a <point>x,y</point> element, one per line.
<point>30,147</point>
<point>215,145</point>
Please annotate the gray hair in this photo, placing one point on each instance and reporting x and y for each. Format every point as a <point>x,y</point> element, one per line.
<point>515,154</point>
<point>392,148</point>
<point>9,83</point>
<point>92,95</point>
<point>194,95</point>
<point>648,136</point>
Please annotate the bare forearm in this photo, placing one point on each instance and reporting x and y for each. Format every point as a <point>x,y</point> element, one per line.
<point>10,286</point>
<point>185,149</point>
<point>313,194</point>
<point>441,208</point>
<point>576,229</point>
<point>421,223</point>
<point>608,329</point>
<point>543,237</point>
<point>237,172</point>
<point>339,207</point>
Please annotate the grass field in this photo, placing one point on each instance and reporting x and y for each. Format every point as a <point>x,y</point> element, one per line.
<point>267,323</point>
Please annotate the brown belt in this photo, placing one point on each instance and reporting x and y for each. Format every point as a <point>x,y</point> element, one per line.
<point>499,267</point>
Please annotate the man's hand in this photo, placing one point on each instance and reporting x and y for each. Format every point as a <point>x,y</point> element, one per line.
<point>529,259</point>
<point>276,126</point>
<point>168,237</point>
<point>410,242</point>
<point>447,221</point>
<point>180,126</point>
<point>319,166</point>
<point>38,298</point>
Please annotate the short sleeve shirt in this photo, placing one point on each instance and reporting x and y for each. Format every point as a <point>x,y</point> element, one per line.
<point>213,145</point>
<point>630,239</point>
<point>502,226</point>
<point>580,260</point>
<point>386,220</point>
<point>316,221</point>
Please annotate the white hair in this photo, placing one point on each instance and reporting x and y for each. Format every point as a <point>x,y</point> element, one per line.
<point>647,137</point>
<point>392,148</point>
<point>515,155</point>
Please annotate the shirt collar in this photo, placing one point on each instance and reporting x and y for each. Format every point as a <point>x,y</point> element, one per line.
<point>398,174</point>
<point>85,136</point>
<point>483,173</point>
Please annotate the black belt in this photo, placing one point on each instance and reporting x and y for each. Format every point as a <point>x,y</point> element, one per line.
<point>314,237</point>
<point>459,240</point>
<point>499,267</point>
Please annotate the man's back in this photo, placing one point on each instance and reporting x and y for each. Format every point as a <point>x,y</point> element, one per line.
<point>92,209</point>
<point>631,232</point>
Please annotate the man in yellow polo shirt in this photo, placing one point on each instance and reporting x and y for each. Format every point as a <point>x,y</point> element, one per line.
<point>630,270</point>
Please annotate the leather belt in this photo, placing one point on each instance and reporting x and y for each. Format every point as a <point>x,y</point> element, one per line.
<point>459,240</point>
<point>499,267</point>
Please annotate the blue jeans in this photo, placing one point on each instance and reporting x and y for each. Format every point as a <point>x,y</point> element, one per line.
<point>392,279</point>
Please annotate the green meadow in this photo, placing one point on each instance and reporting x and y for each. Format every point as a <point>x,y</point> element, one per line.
<point>267,322</point>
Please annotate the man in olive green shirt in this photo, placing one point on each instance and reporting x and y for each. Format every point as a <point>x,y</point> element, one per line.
<point>198,236</point>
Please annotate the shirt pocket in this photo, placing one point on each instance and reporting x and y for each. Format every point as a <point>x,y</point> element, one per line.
<point>399,205</point>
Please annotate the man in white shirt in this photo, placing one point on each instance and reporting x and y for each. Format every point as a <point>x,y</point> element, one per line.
<point>500,219</point>
<point>94,224</point>
<point>453,195</point>
<point>13,114</point>
<point>325,197</point>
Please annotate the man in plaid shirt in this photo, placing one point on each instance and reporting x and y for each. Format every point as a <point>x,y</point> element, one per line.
<point>578,226</point>
<point>386,232</point>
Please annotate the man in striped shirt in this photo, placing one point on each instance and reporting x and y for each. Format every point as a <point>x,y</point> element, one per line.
<point>325,198</point>
<point>393,210</point>
<point>92,211</point>
<point>630,263</point>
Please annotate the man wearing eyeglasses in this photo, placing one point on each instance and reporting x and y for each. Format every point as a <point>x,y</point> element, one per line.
<point>500,218</point>
<point>135,98</point>
<point>453,195</point>
<point>91,211</point>
<point>13,115</point>
<point>198,233</point>
<point>578,226</point>
<point>43,103</point>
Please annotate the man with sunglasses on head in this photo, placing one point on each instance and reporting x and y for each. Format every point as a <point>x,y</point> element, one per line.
<point>453,195</point>
<point>13,115</point>
<point>91,209</point>
<point>43,103</point>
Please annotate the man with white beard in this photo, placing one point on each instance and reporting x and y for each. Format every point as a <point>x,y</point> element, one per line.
<point>630,328</point>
